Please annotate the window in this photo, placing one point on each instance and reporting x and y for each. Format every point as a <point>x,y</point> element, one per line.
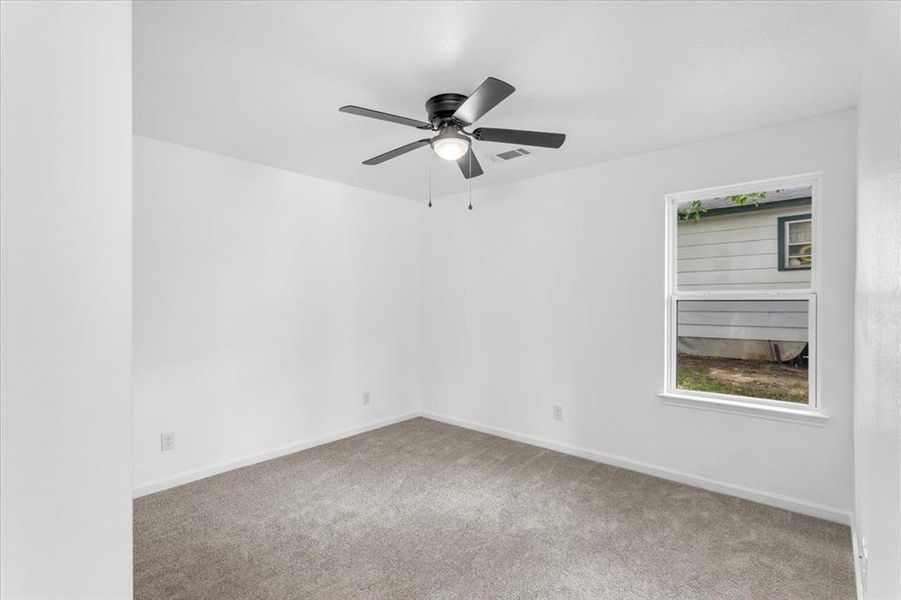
<point>741,311</point>
<point>795,242</point>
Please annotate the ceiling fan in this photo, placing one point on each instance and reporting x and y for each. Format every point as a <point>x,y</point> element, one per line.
<point>449,115</point>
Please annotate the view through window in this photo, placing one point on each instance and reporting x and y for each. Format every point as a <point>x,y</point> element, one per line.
<point>742,306</point>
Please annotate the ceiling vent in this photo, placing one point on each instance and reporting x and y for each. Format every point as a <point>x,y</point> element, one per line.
<point>510,155</point>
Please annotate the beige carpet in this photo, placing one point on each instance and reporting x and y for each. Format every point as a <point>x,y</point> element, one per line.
<point>426,510</point>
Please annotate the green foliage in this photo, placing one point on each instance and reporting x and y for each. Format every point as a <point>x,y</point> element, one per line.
<point>696,209</point>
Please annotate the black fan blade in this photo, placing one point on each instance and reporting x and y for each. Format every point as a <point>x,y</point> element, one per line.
<point>383,116</point>
<point>519,137</point>
<point>486,97</point>
<point>375,160</point>
<point>469,165</point>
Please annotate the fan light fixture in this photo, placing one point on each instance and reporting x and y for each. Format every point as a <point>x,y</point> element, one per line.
<point>450,145</point>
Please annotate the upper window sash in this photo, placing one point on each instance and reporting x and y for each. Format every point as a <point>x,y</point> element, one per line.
<point>672,221</point>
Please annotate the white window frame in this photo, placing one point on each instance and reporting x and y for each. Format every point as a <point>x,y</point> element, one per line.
<point>808,414</point>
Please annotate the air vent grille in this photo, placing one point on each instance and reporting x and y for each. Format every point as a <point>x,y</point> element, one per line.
<point>511,154</point>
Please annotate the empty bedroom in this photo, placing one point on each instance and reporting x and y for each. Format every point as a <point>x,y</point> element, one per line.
<point>433,300</point>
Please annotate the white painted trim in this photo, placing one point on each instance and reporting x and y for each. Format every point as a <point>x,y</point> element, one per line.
<point>855,548</point>
<point>671,393</point>
<point>812,509</point>
<point>779,501</point>
<point>159,485</point>
<point>697,400</point>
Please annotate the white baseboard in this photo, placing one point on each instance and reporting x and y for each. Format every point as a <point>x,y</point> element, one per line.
<point>165,483</point>
<point>763,497</point>
<point>779,501</point>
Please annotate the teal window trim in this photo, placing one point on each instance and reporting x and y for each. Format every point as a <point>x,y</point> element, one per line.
<point>782,250</point>
<point>731,210</point>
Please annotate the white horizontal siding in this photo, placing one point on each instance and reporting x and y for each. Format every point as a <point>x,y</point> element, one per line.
<point>749,248</point>
<point>699,236</point>
<point>780,334</point>
<point>795,320</point>
<point>743,306</point>
<point>775,320</point>
<point>734,276</point>
<point>735,252</point>
<point>722,263</point>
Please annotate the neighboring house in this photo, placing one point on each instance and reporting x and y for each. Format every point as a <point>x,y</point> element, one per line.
<point>761,245</point>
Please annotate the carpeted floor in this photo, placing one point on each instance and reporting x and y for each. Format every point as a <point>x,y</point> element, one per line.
<point>426,510</point>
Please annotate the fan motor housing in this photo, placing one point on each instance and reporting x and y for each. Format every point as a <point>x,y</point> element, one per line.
<point>441,108</point>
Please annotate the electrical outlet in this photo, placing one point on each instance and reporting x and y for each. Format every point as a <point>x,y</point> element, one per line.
<point>365,398</point>
<point>558,413</point>
<point>167,441</point>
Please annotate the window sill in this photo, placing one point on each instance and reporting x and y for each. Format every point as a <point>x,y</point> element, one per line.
<point>802,416</point>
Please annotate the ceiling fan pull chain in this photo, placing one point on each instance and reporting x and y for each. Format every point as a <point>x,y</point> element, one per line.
<point>430,179</point>
<point>469,158</point>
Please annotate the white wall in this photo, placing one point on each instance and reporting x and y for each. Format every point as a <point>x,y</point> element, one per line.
<point>877,393</point>
<point>65,300</point>
<point>545,295</point>
<point>266,303</point>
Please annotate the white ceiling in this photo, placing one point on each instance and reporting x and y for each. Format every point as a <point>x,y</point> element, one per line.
<point>263,81</point>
